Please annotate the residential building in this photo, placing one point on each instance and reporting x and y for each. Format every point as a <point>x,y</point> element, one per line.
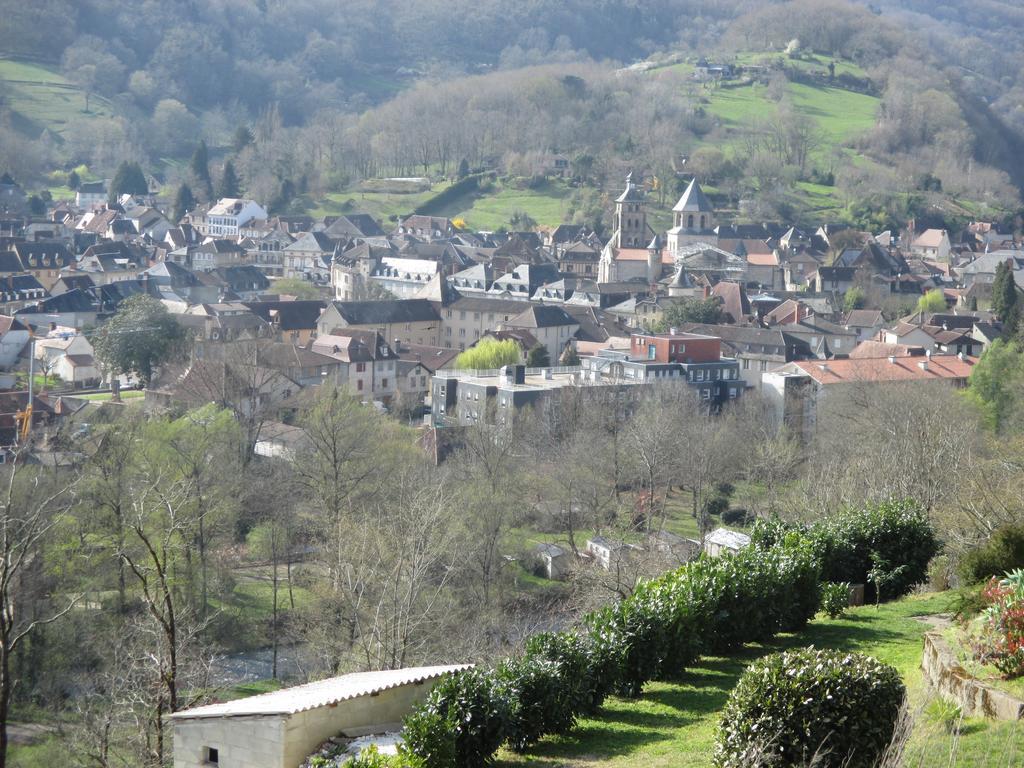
<point>797,389</point>
<point>294,321</point>
<point>14,335</point>
<point>232,218</point>
<point>91,194</point>
<point>551,326</point>
<point>465,320</point>
<point>756,349</point>
<point>411,321</point>
<point>689,358</point>
<point>932,244</point>
<point>369,367</point>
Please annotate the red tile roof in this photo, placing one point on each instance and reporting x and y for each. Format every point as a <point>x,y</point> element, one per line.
<point>875,370</point>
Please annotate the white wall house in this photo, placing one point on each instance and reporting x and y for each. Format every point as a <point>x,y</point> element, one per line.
<point>280,729</point>
<point>231,217</point>
<point>13,338</point>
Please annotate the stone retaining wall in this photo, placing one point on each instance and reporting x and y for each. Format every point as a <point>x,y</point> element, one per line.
<point>952,681</point>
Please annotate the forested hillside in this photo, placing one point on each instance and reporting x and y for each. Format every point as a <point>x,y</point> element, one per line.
<point>309,100</point>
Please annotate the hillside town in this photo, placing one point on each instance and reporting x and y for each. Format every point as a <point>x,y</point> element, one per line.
<point>728,308</point>
<point>601,410</point>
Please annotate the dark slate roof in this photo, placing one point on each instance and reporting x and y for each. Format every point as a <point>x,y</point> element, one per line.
<point>694,199</point>
<point>44,254</point>
<point>9,262</point>
<point>355,225</point>
<point>71,282</point>
<point>244,277</point>
<point>289,315</point>
<point>542,316</point>
<point>632,193</point>
<point>72,301</point>
<point>389,311</point>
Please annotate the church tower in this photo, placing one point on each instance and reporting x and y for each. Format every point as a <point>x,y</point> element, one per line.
<point>693,219</point>
<point>630,217</point>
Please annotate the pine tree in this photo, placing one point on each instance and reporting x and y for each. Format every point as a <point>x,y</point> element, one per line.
<point>229,185</point>
<point>74,182</point>
<point>538,357</point>
<point>1004,299</point>
<point>184,202</point>
<point>200,167</point>
<point>128,180</point>
<point>243,138</point>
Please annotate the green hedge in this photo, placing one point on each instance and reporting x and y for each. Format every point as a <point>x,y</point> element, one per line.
<point>711,605</point>
<point>896,532</point>
<point>830,709</point>
<point>1002,553</point>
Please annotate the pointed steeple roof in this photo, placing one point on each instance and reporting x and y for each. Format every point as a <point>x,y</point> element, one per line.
<point>694,200</point>
<point>681,279</point>
<point>632,193</point>
<point>655,244</point>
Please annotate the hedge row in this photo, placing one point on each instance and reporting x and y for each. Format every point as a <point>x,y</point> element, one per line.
<point>896,535</point>
<point>709,605</point>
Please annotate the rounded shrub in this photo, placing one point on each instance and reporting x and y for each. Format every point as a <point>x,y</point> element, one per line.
<point>827,707</point>
<point>462,722</point>
<point>588,671</point>
<point>539,700</point>
<point>1002,553</point>
<point>835,598</point>
<point>896,532</point>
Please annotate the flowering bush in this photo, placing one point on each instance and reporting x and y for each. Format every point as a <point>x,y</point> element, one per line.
<point>1002,640</point>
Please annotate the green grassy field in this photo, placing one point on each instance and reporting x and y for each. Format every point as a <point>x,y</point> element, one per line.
<point>104,397</point>
<point>383,206</point>
<point>546,206</point>
<point>41,98</point>
<point>840,115</point>
<point>673,724</point>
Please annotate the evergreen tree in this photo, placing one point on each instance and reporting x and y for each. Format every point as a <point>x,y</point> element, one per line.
<point>570,356</point>
<point>243,138</point>
<point>1004,300</point>
<point>229,184</point>
<point>200,167</point>
<point>128,180</point>
<point>538,357</point>
<point>74,182</point>
<point>184,202</point>
<point>463,168</point>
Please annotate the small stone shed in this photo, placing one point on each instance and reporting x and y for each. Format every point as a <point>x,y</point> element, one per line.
<point>722,541</point>
<point>280,729</point>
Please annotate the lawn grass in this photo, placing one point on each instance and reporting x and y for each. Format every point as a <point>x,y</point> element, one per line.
<point>41,98</point>
<point>383,206</point>
<point>546,205</point>
<point>673,724</point>
<point>103,397</point>
<point>840,115</point>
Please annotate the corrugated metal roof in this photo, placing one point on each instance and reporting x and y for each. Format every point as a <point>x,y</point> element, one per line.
<point>319,694</point>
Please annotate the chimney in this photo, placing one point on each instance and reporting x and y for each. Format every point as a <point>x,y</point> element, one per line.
<point>398,346</point>
<point>673,331</point>
<point>928,354</point>
<point>923,365</point>
<point>892,359</point>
